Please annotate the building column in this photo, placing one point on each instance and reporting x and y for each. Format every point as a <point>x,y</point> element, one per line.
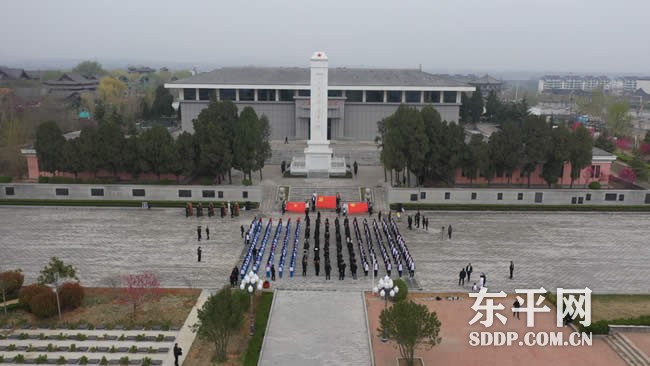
<point>421,97</point>
<point>403,96</point>
<point>442,97</point>
<point>458,99</point>
<point>217,97</point>
<point>385,96</point>
<point>196,97</point>
<point>363,96</point>
<point>236,95</point>
<point>255,95</point>
<point>277,95</point>
<point>181,94</point>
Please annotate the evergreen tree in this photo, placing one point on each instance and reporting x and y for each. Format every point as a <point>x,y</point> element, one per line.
<point>157,150</point>
<point>580,151</point>
<point>476,106</point>
<point>49,147</point>
<point>492,106</point>
<point>110,146</point>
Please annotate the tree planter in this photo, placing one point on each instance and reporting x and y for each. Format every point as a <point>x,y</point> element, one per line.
<point>417,361</point>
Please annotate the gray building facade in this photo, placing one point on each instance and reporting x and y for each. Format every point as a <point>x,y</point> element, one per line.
<point>358,98</point>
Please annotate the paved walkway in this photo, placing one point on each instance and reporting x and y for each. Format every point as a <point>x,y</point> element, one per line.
<point>316,328</point>
<point>605,251</point>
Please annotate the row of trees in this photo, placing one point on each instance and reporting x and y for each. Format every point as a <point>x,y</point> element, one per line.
<point>613,112</point>
<point>224,139</point>
<point>419,142</point>
<point>473,108</point>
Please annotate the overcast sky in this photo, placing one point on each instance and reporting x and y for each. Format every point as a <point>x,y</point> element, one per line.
<point>447,36</point>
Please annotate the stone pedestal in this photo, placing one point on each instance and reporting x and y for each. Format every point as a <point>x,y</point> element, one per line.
<point>318,156</point>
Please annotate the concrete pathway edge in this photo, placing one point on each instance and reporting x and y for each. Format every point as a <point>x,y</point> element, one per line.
<point>186,336</point>
<point>365,313</point>
<point>268,325</point>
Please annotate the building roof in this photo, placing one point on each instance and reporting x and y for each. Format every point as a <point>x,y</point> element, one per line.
<point>13,74</point>
<point>600,154</point>
<point>486,80</point>
<point>337,77</point>
<point>73,78</point>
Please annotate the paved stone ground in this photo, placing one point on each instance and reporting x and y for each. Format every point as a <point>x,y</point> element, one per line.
<point>316,328</point>
<point>605,251</point>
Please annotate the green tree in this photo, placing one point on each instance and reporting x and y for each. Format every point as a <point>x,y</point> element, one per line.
<point>89,141</point>
<point>185,155</point>
<point>646,139</point>
<point>640,168</point>
<point>49,146</point>
<point>13,135</point>
<point>558,153</point>
<point>406,140</point>
<point>507,149</point>
<point>465,110</point>
<point>162,103</point>
<point>110,146</point>
<point>492,105</point>
<point>604,141</point>
<point>619,121</point>
<point>476,105</point>
<point>100,111</point>
<point>220,317</point>
<point>263,151</point>
<point>213,130</point>
<point>535,138</point>
<point>580,151</point>
<point>145,110</point>
<point>594,105</point>
<point>133,163</point>
<point>411,326</point>
<point>471,157</point>
<point>89,68</point>
<point>245,141</point>
<point>72,157</point>
<point>157,150</point>
<point>56,267</point>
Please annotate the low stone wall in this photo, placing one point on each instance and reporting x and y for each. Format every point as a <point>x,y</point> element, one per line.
<point>514,196</point>
<point>117,192</point>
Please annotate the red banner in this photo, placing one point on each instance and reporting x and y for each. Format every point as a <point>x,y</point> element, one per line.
<point>296,206</point>
<point>357,207</point>
<point>326,202</point>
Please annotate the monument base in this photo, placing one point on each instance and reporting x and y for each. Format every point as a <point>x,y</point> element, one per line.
<point>318,156</point>
<point>318,162</point>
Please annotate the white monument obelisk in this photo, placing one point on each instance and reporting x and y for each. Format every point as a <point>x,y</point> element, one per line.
<point>318,153</point>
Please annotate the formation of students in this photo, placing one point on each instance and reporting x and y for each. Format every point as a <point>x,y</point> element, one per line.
<point>395,253</point>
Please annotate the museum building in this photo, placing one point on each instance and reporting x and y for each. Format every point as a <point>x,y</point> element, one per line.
<point>357,98</point>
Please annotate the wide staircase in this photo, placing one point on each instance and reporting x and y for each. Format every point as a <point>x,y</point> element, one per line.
<point>627,350</point>
<point>363,153</point>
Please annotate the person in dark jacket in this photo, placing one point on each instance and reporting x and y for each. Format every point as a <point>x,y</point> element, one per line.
<point>177,353</point>
<point>304,265</point>
<point>272,272</point>
<point>328,269</point>
<point>198,253</point>
<point>461,277</point>
<point>512,268</point>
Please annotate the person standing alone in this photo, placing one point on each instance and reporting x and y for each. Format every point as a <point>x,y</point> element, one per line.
<point>469,270</point>
<point>512,268</point>
<point>461,277</point>
<point>177,353</point>
<point>198,253</point>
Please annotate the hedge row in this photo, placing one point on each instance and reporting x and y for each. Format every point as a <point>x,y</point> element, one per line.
<point>109,180</point>
<point>602,326</point>
<point>107,203</point>
<point>4,179</point>
<point>251,358</point>
<point>478,207</point>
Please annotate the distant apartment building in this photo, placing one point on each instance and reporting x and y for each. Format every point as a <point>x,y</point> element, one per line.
<point>631,84</point>
<point>572,83</point>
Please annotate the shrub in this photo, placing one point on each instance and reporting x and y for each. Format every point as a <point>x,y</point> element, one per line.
<point>104,361</point>
<point>124,360</point>
<point>11,347</point>
<point>246,182</point>
<point>50,347</point>
<point>81,337</point>
<point>12,281</point>
<point>2,358</point>
<point>73,348</point>
<point>133,349</point>
<point>43,305</point>
<point>23,336</point>
<point>83,360</point>
<point>160,338</point>
<point>139,337</point>
<point>146,362</point>
<point>594,185</point>
<point>42,179</point>
<point>71,295</point>
<point>60,361</point>
<point>403,290</point>
<point>41,359</point>
<point>4,179</point>
<point>599,327</point>
<point>27,293</point>
<point>19,358</point>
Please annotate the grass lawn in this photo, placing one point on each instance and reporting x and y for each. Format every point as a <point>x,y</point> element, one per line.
<point>608,307</point>
<point>242,349</point>
<point>102,306</point>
